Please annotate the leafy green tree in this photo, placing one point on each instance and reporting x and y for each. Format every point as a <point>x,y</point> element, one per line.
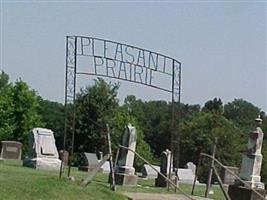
<point>52,116</point>
<point>242,113</point>
<point>4,80</point>
<point>6,108</point>
<point>199,133</point>
<point>214,106</point>
<point>24,115</point>
<point>18,110</point>
<point>95,106</point>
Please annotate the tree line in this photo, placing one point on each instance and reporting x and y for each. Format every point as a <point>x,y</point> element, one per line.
<point>21,109</point>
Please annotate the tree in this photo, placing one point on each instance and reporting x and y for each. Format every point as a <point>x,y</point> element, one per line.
<point>214,106</point>
<point>52,116</point>
<point>198,135</point>
<point>18,110</point>
<point>4,80</point>
<point>95,106</point>
<point>242,113</point>
<point>6,108</point>
<point>24,115</point>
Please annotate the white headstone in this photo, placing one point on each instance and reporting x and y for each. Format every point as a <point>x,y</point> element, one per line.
<point>191,166</point>
<point>252,159</point>
<point>185,175</point>
<point>124,170</point>
<point>89,161</point>
<point>43,152</point>
<point>126,158</point>
<point>149,172</point>
<point>105,168</point>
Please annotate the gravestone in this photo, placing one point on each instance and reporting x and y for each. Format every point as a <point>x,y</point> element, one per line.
<point>250,169</point>
<point>185,176</point>
<point>165,162</point>
<point>124,170</point>
<point>228,178</point>
<point>64,157</point>
<point>191,166</point>
<point>149,172</point>
<point>105,168</point>
<point>43,152</point>
<point>89,161</point>
<point>11,150</point>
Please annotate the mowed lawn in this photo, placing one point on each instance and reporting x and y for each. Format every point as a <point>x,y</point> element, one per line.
<point>17,182</point>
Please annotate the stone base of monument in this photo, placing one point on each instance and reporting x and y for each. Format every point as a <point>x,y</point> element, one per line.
<point>237,192</point>
<point>125,176</point>
<point>88,169</point>
<point>43,163</point>
<point>125,179</point>
<point>161,181</point>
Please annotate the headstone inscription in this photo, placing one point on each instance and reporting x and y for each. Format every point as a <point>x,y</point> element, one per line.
<point>43,152</point>
<point>165,162</point>
<point>89,161</point>
<point>250,169</point>
<point>11,150</point>
<point>124,170</point>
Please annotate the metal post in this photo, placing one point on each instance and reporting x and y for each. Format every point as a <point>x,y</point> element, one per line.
<point>196,174</point>
<point>65,111</point>
<point>112,184</point>
<point>211,168</point>
<point>74,113</point>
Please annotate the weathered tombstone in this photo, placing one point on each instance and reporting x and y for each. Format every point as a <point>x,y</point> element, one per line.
<point>250,169</point>
<point>227,177</point>
<point>165,162</point>
<point>124,170</point>
<point>64,156</point>
<point>105,168</point>
<point>185,176</point>
<point>149,172</point>
<point>43,152</point>
<point>89,162</point>
<point>191,166</point>
<point>11,150</point>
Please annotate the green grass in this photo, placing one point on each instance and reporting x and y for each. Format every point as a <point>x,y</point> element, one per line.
<point>17,182</point>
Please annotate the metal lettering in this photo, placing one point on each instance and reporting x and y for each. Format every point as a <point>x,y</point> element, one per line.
<point>97,63</point>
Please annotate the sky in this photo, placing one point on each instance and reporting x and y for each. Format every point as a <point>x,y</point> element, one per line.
<point>221,44</point>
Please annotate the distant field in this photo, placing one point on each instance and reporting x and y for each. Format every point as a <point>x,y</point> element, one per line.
<point>21,183</point>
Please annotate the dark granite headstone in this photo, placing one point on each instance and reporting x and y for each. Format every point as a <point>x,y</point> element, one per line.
<point>11,150</point>
<point>236,192</point>
<point>165,162</point>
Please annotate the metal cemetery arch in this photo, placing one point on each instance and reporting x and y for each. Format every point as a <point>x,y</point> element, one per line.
<point>100,57</point>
